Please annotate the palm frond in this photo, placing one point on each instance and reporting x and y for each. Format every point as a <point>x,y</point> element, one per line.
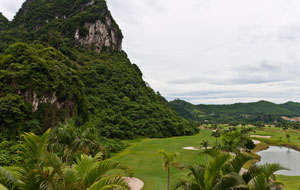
<point>8,177</point>
<point>236,164</point>
<point>259,182</point>
<point>71,180</point>
<point>230,180</point>
<point>168,158</point>
<point>34,146</point>
<point>101,168</point>
<point>110,183</point>
<point>213,152</point>
<point>197,172</point>
<point>270,168</point>
<point>83,164</point>
<point>213,169</point>
<point>2,187</point>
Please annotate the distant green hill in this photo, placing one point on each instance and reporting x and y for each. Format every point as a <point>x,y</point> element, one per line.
<point>292,106</point>
<point>262,111</point>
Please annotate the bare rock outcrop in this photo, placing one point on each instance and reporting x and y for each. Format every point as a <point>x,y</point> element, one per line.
<point>100,35</point>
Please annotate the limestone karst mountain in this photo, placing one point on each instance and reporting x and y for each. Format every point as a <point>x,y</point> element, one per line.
<point>63,59</point>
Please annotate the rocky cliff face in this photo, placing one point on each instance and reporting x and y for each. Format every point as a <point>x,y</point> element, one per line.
<point>100,35</point>
<point>54,107</point>
<point>35,100</point>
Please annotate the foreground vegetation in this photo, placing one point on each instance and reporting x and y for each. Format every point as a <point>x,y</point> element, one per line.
<point>44,170</point>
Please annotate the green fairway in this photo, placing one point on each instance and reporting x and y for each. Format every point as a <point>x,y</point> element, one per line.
<point>142,156</point>
<point>290,182</point>
<point>278,136</point>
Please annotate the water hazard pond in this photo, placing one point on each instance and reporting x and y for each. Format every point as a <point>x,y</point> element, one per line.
<point>288,158</point>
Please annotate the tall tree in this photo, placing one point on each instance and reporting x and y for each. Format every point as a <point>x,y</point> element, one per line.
<point>169,159</point>
<point>288,137</point>
<point>205,144</point>
<point>216,134</point>
<point>73,141</point>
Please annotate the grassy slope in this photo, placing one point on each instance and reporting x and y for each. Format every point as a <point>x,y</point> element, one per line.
<point>143,158</point>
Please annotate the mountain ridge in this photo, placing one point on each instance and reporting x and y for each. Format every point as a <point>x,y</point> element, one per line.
<point>193,112</point>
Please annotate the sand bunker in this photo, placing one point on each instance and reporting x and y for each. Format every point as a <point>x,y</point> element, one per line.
<point>256,141</point>
<point>266,137</point>
<point>134,183</point>
<point>193,148</point>
<point>190,148</point>
<point>206,148</point>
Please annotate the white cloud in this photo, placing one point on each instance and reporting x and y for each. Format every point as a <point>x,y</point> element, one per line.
<point>211,51</point>
<point>10,7</point>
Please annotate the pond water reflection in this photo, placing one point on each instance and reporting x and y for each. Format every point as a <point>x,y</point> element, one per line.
<point>288,158</point>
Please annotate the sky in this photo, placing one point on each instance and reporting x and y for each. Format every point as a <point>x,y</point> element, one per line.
<point>211,51</point>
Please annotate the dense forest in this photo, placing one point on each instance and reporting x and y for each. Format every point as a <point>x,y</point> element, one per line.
<point>62,60</point>
<point>248,113</point>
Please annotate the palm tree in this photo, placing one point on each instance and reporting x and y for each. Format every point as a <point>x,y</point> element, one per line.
<point>205,144</point>
<point>216,134</point>
<point>288,137</point>
<point>222,172</point>
<point>38,168</point>
<point>263,177</point>
<point>90,173</point>
<point>168,161</point>
<point>73,141</point>
<point>45,171</point>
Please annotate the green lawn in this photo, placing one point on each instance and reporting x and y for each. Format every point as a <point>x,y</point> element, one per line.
<point>142,156</point>
<point>290,182</point>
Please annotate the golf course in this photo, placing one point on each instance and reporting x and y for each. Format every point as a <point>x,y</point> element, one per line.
<point>142,155</point>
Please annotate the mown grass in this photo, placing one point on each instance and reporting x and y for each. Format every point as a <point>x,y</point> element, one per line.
<point>290,182</point>
<point>142,156</point>
<point>278,136</point>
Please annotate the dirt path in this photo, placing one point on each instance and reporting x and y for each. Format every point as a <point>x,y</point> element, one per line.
<point>134,183</point>
<point>256,141</point>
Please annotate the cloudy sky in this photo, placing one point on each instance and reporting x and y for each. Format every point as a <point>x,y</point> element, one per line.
<point>211,51</point>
